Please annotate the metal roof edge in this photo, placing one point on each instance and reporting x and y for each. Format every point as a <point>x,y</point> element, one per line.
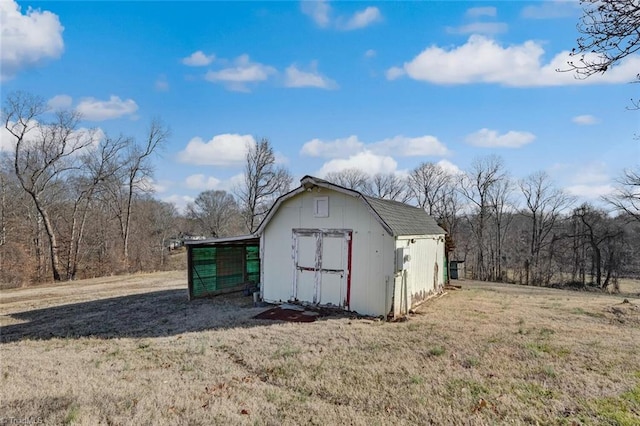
<point>221,240</point>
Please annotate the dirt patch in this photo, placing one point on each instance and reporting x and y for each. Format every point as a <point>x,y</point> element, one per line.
<point>296,313</point>
<point>290,315</point>
<point>624,313</point>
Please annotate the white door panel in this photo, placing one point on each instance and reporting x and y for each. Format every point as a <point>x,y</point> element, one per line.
<point>321,266</point>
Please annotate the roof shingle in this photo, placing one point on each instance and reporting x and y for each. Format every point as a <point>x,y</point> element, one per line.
<point>404,219</point>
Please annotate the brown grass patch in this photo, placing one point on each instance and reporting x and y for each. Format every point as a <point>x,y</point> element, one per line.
<point>134,350</point>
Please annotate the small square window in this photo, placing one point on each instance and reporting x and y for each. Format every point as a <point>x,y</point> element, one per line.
<point>321,206</point>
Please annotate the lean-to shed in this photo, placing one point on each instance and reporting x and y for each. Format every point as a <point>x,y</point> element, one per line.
<point>222,265</point>
<point>327,245</point>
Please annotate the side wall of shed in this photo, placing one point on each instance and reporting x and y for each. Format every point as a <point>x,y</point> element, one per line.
<point>424,274</point>
<point>372,250</point>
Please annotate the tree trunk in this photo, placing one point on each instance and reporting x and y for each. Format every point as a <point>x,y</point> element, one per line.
<point>53,241</point>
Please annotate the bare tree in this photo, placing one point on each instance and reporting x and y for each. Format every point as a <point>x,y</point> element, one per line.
<point>502,209</point>
<point>476,186</point>
<point>134,172</point>
<point>603,239</point>
<point>164,225</point>
<point>44,154</point>
<point>428,184</point>
<point>98,166</point>
<point>213,211</point>
<point>610,31</point>
<point>543,206</point>
<point>626,198</point>
<point>351,178</point>
<point>389,186</point>
<point>264,181</point>
<point>17,260</point>
<point>3,209</point>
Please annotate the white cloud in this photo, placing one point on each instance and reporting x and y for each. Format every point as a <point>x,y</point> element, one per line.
<point>361,19</point>
<point>366,161</point>
<point>585,120</point>
<point>594,173</point>
<point>397,146</point>
<point>591,192</point>
<point>221,150</point>
<point>492,139</point>
<point>180,201</point>
<point>162,84</point>
<point>7,140</point>
<point>332,149</point>
<point>232,183</point>
<point>201,182</point>
<point>159,187</point>
<point>410,147</point>
<point>198,59</point>
<point>488,28</point>
<point>280,158</point>
<point>27,40</point>
<point>370,53</point>
<point>95,110</point>
<point>394,73</point>
<point>87,138</point>
<point>59,102</point>
<point>449,167</point>
<point>321,13</point>
<point>586,180</point>
<point>295,77</point>
<point>242,72</point>
<point>150,185</point>
<point>483,60</point>
<point>476,12</point>
<point>552,9</point>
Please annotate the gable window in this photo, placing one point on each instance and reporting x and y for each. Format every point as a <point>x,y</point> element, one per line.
<point>321,207</point>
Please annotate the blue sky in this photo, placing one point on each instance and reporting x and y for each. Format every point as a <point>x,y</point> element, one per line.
<point>380,86</point>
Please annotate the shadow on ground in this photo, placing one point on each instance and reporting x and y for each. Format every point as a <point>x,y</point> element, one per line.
<point>154,314</point>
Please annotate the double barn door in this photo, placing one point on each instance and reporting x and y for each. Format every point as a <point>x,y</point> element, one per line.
<point>322,263</point>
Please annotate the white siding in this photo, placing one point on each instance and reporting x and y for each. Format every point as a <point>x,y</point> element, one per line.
<point>372,260</point>
<point>424,275</point>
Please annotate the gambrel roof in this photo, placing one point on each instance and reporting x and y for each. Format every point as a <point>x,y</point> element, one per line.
<point>395,217</point>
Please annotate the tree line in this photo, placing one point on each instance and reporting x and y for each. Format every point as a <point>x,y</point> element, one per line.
<point>78,203</point>
<point>526,231</point>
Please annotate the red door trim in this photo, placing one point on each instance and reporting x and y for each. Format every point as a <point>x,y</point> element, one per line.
<point>349,246</point>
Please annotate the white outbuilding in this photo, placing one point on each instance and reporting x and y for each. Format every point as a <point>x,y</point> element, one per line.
<point>323,244</point>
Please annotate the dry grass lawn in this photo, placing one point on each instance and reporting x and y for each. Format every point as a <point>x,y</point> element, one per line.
<point>133,350</point>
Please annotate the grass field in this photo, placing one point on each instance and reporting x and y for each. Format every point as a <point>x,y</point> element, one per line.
<point>134,350</point>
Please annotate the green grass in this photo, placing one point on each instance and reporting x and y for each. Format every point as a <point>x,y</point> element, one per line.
<point>436,351</point>
<point>72,415</point>
<point>460,386</point>
<point>580,311</point>
<point>623,410</point>
<point>540,348</point>
<point>286,352</point>
<point>470,362</point>
<point>417,380</point>
<point>548,371</point>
